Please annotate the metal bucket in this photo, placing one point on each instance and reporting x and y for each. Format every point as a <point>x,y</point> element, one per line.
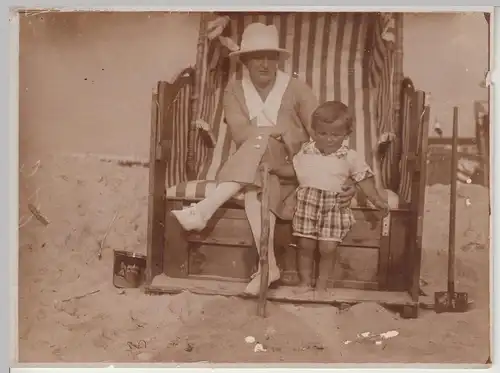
<point>128,269</point>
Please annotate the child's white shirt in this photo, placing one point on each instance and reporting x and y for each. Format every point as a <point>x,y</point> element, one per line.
<point>329,172</point>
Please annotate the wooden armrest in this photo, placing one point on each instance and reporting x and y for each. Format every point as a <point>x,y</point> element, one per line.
<point>200,124</point>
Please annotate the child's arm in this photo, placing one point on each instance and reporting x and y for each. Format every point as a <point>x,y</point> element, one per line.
<point>368,187</point>
<point>365,180</point>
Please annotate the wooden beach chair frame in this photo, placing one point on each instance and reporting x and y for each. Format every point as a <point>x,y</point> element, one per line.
<point>179,148</point>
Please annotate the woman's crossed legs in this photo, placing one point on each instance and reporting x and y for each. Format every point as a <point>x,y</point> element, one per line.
<point>196,217</point>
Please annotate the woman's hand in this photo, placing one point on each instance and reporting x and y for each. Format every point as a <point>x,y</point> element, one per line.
<point>347,194</point>
<point>263,167</point>
<point>274,131</point>
<point>285,171</point>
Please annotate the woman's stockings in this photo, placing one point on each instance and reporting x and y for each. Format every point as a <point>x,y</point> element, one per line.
<point>253,212</point>
<point>222,193</point>
<point>196,216</point>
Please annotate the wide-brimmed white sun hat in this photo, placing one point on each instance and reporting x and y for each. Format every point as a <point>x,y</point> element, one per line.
<point>259,37</point>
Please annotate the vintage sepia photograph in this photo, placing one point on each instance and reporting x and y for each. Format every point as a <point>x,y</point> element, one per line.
<point>254,187</point>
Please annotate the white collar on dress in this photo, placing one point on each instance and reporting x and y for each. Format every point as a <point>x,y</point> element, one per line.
<point>268,110</point>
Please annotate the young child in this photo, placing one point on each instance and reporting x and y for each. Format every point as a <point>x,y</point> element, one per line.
<point>322,166</point>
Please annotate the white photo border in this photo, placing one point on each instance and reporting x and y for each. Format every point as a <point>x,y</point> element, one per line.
<point>10,149</point>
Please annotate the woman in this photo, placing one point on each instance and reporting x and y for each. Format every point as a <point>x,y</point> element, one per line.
<point>268,114</point>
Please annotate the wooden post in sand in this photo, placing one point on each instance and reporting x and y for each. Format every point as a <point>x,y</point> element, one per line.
<point>264,243</point>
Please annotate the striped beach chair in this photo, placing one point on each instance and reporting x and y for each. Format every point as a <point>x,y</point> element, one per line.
<point>342,56</point>
<point>352,57</point>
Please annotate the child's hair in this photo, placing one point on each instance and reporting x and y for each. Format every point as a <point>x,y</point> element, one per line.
<point>333,111</point>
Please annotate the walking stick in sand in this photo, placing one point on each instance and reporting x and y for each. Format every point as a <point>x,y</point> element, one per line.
<point>451,301</point>
<point>264,243</point>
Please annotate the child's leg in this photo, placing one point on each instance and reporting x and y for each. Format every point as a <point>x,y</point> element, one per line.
<point>328,253</point>
<point>335,224</point>
<point>305,262</point>
<point>196,217</point>
<point>305,227</point>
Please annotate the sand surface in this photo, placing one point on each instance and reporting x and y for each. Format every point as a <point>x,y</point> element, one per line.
<point>60,261</point>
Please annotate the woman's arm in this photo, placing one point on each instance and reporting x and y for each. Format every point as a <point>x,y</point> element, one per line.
<point>303,103</point>
<point>306,104</point>
<point>285,171</point>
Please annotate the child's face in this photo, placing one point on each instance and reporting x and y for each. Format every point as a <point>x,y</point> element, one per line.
<point>329,136</point>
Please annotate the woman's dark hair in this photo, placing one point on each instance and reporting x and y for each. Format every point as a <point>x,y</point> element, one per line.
<point>333,111</point>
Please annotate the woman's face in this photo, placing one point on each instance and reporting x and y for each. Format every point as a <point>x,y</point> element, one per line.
<point>262,66</point>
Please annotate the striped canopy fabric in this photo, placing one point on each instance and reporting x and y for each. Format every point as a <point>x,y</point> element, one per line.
<point>342,56</point>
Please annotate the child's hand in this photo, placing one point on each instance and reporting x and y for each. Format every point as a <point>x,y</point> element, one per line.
<point>384,208</point>
<point>385,211</point>
<point>374,217</point>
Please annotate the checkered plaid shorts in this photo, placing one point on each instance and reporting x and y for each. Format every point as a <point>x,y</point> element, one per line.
<point>318,216</point>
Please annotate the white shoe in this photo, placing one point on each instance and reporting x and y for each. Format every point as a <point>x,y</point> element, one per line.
<point>190,218</point>
<point>253,288</point>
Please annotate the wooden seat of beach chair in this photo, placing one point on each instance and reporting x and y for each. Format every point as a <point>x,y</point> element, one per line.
<point>341,56</point>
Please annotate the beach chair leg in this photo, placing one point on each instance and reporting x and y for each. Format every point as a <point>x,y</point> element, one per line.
<point>264,244</point>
